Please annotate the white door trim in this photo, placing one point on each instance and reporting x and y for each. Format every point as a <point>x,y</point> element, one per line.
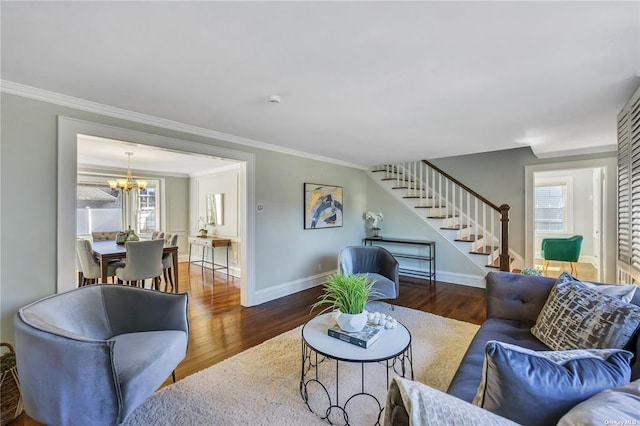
<point>69,128</point>
<point>608,236</point>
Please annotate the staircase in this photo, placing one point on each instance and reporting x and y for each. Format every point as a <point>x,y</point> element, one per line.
<point>476,227</point>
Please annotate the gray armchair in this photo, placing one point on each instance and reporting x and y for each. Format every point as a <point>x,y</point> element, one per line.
<point>91,355</point>
<point>375,262</point>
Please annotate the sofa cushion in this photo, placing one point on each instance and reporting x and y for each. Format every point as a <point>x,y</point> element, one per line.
<point>575,316</point>
<point>624,292</point>
<point>518,382</point>
<point>617,406</point>
<point>413,403</point>
<point>141,361</point>
<point>467,378</point>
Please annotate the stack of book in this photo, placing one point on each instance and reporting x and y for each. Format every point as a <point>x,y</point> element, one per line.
<point>365,338</point>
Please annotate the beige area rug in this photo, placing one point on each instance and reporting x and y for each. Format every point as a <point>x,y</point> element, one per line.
<point>261,386</point>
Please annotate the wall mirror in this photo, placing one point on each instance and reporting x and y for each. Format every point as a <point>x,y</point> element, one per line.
<point>215,205</point>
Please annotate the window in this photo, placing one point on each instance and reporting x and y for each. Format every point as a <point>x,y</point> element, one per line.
<point>100,208</point>
<point>146,215</point>
<point>553,205</point>
<point>550,208</point>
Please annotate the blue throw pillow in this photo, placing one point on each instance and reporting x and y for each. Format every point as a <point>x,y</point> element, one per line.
<point>538,388</point>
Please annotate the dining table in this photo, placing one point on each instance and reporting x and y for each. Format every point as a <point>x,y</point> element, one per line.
<point>106,251</point>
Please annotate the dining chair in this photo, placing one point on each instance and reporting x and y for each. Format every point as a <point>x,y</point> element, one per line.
<point>143,260</point>
<point>89,265</point>
<point>167,261</point>
<point>104,235</point>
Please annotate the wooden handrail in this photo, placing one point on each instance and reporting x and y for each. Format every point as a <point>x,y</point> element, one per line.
<point>465,187</point>
<point>504,260</point>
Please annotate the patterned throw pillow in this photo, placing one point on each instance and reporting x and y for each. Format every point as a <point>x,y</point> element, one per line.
<point>530,387</point>
<point>577,317</point>
<point>624,292</point>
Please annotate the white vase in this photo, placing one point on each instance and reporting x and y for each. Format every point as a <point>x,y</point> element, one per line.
<point>352,322</point>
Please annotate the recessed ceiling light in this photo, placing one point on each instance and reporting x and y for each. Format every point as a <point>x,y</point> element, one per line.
<point>273,99</point>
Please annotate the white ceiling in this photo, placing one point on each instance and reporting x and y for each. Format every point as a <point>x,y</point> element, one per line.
<point>364,82</point>
<point>107,154</point>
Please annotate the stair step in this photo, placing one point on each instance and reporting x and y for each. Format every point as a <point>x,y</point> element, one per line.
<point>429,207</point>
<point>483,250</point>
<point>454,227</point>
<point>468,238</point>
<point>496,263</point>
<point>442,217</point>
<point>415,196</point>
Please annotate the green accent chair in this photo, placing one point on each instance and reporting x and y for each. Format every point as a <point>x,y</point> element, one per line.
<point>562,250</point>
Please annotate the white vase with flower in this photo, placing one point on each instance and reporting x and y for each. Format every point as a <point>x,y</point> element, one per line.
<point>374,218</point>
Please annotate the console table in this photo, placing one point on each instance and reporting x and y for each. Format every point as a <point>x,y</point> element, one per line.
<point>422,262</point>
<point>211,242</point>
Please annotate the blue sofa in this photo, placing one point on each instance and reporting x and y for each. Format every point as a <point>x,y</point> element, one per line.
<point>513,304</point>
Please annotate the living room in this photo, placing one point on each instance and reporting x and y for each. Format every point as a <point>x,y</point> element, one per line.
<point>523,85</point>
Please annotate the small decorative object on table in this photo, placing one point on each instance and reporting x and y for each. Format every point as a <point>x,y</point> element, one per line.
<point>377,323</point>
<point>202,232</point>
<point>374,218</point>
<point>10,399</point>
<point>363,338</point>
<point>532,271</point>
<point>349,294</point>
<point>128,235</point>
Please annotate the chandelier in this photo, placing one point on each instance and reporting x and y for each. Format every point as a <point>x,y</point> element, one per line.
<point>127,184</point>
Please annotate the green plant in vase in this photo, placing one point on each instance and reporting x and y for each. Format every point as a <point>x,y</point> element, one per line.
<point>348,294</point>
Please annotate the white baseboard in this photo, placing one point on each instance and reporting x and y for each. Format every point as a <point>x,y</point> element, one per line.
<point>462,279</point>
<point>286,289</point>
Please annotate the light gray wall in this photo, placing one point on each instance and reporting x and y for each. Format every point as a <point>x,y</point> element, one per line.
<point>284,251</point>
<point>285,247</point>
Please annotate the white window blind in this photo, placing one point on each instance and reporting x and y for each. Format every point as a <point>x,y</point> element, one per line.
<point>551,208</point>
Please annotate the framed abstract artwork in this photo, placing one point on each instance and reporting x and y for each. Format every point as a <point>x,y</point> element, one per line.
<point>322,206</point>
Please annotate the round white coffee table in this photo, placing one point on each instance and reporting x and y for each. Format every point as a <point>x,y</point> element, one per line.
<point>393,348</point>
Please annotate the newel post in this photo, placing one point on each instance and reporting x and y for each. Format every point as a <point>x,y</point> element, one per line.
<point>504,238</point>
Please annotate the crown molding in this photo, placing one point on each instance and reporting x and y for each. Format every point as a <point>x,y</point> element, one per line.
<point>107,171</point>
<point>215,171</point>
<point>18,89</point>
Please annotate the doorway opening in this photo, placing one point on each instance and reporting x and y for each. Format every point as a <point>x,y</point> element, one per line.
<point>565,200</point>
<point>68,133</point>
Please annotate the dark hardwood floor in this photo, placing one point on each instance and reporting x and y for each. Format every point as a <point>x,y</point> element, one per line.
<point>220,327</point>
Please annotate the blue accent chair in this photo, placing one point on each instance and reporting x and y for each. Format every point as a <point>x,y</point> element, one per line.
<point>90,356</point>
<point>375,262</point>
